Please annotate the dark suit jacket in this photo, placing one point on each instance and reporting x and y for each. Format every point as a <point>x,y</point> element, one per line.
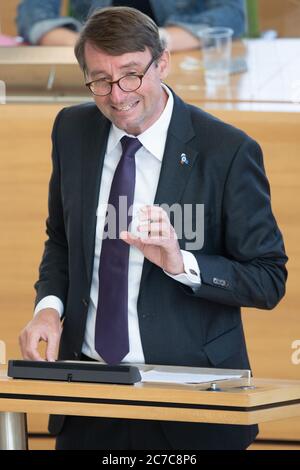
<point>242,261</point>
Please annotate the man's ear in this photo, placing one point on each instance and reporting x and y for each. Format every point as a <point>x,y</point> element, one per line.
<point>164,64</point>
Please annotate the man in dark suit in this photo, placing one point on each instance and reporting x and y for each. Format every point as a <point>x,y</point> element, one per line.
<point>154,294</point>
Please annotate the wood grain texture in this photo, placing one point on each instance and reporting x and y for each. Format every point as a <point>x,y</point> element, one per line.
<point>283,17</point>
<point>268,400</point>
<point>8,13</point>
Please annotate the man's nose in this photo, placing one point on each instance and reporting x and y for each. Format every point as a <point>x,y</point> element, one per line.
<point>117,95</point>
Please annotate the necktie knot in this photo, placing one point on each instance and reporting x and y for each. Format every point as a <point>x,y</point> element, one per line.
<point>130,145</point>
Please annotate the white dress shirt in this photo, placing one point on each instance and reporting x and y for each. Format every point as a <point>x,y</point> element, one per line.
<point>148,161</point>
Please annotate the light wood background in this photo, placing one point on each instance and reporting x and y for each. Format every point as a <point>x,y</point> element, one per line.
<point>8,10</point>
<point>281,15</point>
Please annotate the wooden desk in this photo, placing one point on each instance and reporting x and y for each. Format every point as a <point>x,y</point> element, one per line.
<point>35,73</point>
<point>272,82</point>
<point>269,400</point>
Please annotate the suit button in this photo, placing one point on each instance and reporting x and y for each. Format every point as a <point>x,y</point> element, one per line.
<point>76,355</point>
<point>220,282</point>
<point>85,302</point>
<point>192,271</point>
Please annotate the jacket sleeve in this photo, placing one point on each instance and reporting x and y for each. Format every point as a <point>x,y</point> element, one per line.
<point>229,13</point>
<point>53,271</point>
<point>251,271</point>
<point>37,17</point>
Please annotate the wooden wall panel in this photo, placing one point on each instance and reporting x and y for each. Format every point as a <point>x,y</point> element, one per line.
<point>24,173</point>
<point>8,9</point>
<point>283,16</point>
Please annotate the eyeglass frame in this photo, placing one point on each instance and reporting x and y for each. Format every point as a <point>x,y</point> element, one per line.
<point>117,82</point>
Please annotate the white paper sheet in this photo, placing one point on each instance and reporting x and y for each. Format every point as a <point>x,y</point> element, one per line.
<point>182,378</point>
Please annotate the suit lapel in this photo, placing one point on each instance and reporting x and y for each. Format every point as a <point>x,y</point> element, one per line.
<point>174,174</point>
<point>95,141</point>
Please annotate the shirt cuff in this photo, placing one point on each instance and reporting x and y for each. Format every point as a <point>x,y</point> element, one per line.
<point>50,301</point>
<point>191,277</point>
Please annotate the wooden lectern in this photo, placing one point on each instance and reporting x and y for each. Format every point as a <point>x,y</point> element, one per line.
<point>242,401</point>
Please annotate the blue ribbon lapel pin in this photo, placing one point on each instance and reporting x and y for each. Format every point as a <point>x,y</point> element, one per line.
<point>184,159</point>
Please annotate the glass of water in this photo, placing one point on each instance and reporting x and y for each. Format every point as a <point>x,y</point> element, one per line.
<point>216,46</point>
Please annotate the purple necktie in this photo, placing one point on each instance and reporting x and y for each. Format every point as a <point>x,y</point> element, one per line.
<point>111,329</point>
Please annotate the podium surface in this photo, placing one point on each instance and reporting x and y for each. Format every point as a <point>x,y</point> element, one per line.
<point>241,401</point>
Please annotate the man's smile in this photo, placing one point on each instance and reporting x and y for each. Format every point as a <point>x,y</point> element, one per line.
<point>125,107</point>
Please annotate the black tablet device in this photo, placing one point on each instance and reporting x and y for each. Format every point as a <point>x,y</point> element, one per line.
<point>73,371</point>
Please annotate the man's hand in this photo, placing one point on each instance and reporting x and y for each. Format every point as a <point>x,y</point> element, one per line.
<point>160,245</point>
<point>179,39</point>
<point>45,326</point>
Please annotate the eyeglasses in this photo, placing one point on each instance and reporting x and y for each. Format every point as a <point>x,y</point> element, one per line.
<point>103,87</point>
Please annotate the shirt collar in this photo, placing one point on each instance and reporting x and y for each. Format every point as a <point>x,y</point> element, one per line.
<point>154,138</point>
